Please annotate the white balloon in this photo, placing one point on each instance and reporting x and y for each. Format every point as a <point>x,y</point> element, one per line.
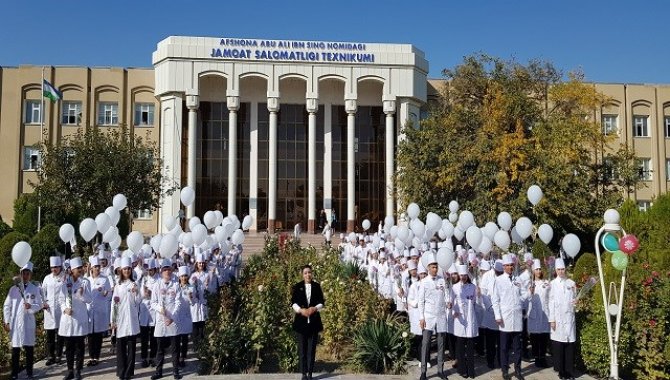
<point>505,220</point>
<point>229,228</point>
<point>66,232</point>
<point>403,233</point>
<point>88,229</point>
<point>458,233</point>
<point>114,215</point>
<point>433,221</point>
<point>116,243</point>
<point>376,241</point>
<point>442,234</point>
<point>147,250</point>
<point>516,238</point>
<point>466,219</point>
<point>220,234</point>
<point>418,228</point>
<point>399,245</point>
<point>453,217</point>
<point>187,196</point>
<point>426,258</point>
<point>571,245</point>
<point>134,240</point>
<point>534,194</point>
<point>365,225</point>
<point>448,228</point>
<point>393,232</point>
<point>187,240</point>
<point>156,242</point>
<point>501,239</point>
<point>485,246</point>
<point>444,257</point>
<point>168,246</point>
<point>238,237</point>
<point>453,207</point>
<point>21,253</point>
<point>169,222</point>
<point>413,210</point>
<point>119,202</point>
<point>546,233</point>
<point>102,222</point>
<point>247,222</point>
<point>524,227</point>
<point>416,242</point>
<point>209,219</point>
<point>199,233</point>
<point>473,236</point>
<point>110,235</point>
<point>352,237</point>
<point>388,221</point>
<point>176,230</point>
<point>194,221</point>
<point>490,230</point>
<point>219,217</point>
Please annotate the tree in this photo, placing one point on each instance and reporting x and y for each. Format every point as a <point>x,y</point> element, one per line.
<point>25,214</point>
<point>81,174</point>
<point>500,127</point>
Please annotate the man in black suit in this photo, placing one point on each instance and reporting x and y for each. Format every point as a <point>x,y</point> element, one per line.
<point>307,300</point>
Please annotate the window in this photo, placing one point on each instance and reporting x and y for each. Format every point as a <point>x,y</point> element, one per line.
<point>667,126</point>
<point>640,127</point>
<point>643,205</point>
<point>143,214</point>
<point>610,125</point>
<point>31,158</point>
<point>667,170</point>
<point>144,114</point>
<point>108,113</point>
<point>33,113</point>
<point>609,169</point>
<point>71,113</point>
<point>645,169</point>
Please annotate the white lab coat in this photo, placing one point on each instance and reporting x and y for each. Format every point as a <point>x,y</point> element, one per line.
<point>486,285</point>
<point>433,295</point>
<point>401,289</point>
<point>385,279</point>
<point>198,305</point>
<point>507,300</point>
<point>52,288</point>
<point>538,308</point>
<point>561,310</point>
<point>165,302</point>
<point>147,314</point>
<point>98,309</point>
<point>464,298</point>
<point>413,307</point>
<point>525,278</point>
<point>183,314</point>
<point>21,320</point>
<point>76,296</point>
<point>125,309</point>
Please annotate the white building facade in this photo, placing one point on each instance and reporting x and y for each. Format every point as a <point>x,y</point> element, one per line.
<point>286,131</point>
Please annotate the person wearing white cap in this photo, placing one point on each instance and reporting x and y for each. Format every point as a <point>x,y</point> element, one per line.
<point>183,314</point>
<point>361,253</point>
<point>373,271</point>
<point>74,325</point>
<point>165,301</point>
<point>562,322</point>
<point>466,328</point>
<point>200,280</point>
<point>52,287</point>
<point>385,277</point>
<point>106,269</point>
<point>417,273</point>
<point>525,278</point>
<point>148,315</point>
<point>124,319</point>
<point>450,338</point>
<point>98,310</point>
<point>507,298</point>
<point>432,306</point>
<point>23,301</point>
<point>492,334</point>
<point>538,319</point>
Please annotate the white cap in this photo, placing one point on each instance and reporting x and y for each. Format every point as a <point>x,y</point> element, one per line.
<point>126,262</point>
<point>560,264</point>
<point>166,263</point>
<point>117,263</point>
<point>424,247</point>
<point>507,260</point>
<point>199,258</point>
<point>28,267</point>
<point>452,269</point>
<point>498,266</point>
<point>484,265</point>
<point>472,256</point>
<point>536,264</point>
<point>527,257</point>
<point>403,261</point>
<point>75,262</point>
<point>411,265</point>
<point>102,256</point>
<point>55,261</point>
<point>421,269</point>
<point>430,258</point>
<point>462,270</point>
<point>93,260</point>
<point>414,252</point>
<point>183,271</point>
<point>151,264</point>
<point>405,252</point>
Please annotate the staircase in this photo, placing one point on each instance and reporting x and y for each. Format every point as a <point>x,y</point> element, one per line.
<point>254,241</point>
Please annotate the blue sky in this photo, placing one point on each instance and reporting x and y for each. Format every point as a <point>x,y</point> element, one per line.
<point>611,41</point>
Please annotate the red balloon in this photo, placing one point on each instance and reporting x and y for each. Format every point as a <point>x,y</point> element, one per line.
<point>629,244</point>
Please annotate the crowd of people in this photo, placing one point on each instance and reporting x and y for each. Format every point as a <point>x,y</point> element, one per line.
<point>498,306</point>
<point>160,303</point>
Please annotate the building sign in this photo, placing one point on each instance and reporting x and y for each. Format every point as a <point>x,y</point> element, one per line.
<point>292,51</point>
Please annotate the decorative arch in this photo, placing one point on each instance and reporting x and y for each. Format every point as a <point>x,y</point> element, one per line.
<point>71,87</point>
<point>293,76</point>
<point>139,89</point>
<point>254,74</point>
<point>371,78</point>
<point>332,77</point>
<point>213,73</point>
<point>641,102</point>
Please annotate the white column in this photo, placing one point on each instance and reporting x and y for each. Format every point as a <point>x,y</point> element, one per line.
<point>328,161</point>
<point>273,107</point>
<point>389,110</point>
<point>170,151</point>
<point>312,107</point>
<point>233,103</point>
<point>253,166</point>
<point>192,102</point>
<point>350,108</point>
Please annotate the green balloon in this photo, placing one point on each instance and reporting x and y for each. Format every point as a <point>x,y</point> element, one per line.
<point>610,242</point>
<point>619,260</point>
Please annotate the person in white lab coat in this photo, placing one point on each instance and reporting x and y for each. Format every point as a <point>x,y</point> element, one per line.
<point>413,305</point>
<point>433,315</point>
<point>507,299</point>
<point>562,321</point>
<point>98,310</point>
<point>165,302</point>
<point>147,315</point>
<point>201,280</point>
<point>74,325</point>
<point>125,319</point>
<point>23,301</point>
<point>52,286</point>
<point>466,326</point>
<point>538,315</point>
<point>486,285</point>
<point>183,315</point>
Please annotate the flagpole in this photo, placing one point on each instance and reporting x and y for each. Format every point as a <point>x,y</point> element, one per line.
<point>42,114</point>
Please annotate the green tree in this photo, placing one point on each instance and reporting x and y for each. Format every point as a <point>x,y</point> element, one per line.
<point>500,127</point>
<point>81,174</point>
<point>25,214</point>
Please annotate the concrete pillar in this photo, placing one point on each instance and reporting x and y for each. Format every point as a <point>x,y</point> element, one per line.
<point>192,103</point>
<point>351,108</point>
<point>273,107</point>
<point>312,107</point>
<point>233,103</point>
<point>389,110</point>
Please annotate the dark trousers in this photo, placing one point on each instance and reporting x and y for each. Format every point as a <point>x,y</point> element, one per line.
<point>198,334</point>
<point>54,344</point>
<point>74,346</point>
<point>451,344</point>
<point>16,357</point>
<point>492,348</point>
<point>525,337</point>
<point>416,347</point>
<point>125,356</point>
<point>94,345</point>
<point>425,350</point>
<point>147,342</point>
<point>164,343</point>
<point>510,350</point>
<point>564,358</point>
<point>307,351</point>
<point>183,346</point>
<point>465,352</point>
<point>539,343</point>
<point>480,342</point>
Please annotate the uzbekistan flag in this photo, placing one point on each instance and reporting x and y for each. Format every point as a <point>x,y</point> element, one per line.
<point>51,92</point>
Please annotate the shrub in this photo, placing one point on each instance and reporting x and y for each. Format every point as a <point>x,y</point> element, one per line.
<point>44,244</point>
<point>4,229</point>
<point>381,346</point>
<point>25,214</point>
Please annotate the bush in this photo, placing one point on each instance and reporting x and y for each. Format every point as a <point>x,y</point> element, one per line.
<point>4,229</point>
<point>44,245</point>
<point>381,346</point>
<point>25,214</point>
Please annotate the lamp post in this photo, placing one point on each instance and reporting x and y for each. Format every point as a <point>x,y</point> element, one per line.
<point>612,219</point>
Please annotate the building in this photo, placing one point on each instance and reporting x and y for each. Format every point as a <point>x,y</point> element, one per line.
<point>315,124</point>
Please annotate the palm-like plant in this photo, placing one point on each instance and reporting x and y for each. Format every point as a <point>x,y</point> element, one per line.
<point>381,346</point>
